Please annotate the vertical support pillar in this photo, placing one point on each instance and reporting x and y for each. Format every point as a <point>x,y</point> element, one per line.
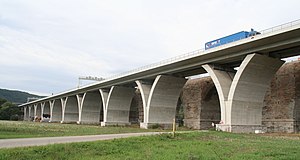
<point>37,111</point>
<point>160,100</point>
<point>116,102</point>
<point>79,102</point>
<point>241,98</point>
<point>51,102</point>
<point>31,113</point>
<point>63,105</point>
<point>42,109</point>
<point>25,118</point>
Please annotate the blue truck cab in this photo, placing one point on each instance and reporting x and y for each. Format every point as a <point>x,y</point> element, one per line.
<point>230,38</point>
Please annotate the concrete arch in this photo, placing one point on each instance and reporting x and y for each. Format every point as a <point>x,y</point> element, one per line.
<point>46,110</point>
<point>70,110</point>
<point>91,111</point>
<point>160,99</point>
<point>38,110</point>
<point>241,98</point>
<point>116,102</point>
<point>56,111</point>
<point>31,112</point>
<point>26,113</point>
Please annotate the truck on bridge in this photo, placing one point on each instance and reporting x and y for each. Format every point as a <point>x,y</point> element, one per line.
<point>230,38</point>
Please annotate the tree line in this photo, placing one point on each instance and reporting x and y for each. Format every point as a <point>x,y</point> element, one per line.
<point>9,111</point>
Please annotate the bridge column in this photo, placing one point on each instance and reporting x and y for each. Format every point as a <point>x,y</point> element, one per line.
<point>56,107</point>
<point>116,102</point>
<point>37,110</point>
<point>31,112</point>
<point>26,113</point>
<point>160,100</point>
<point>241,95</point>
<point>91,111</point>
<point>70,109</point>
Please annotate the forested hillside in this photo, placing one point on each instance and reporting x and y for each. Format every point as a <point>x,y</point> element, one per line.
<point>14,96</point>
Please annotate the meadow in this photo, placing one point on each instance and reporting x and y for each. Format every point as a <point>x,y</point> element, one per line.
<point>24,129</point>
<point>191,145</point>
<point>185,146</point>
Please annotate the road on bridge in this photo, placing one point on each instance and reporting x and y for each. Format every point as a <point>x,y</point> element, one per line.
<point>25,142</point>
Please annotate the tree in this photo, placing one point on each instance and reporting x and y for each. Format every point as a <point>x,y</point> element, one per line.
<point>9,111</point>
<point>2,101</point>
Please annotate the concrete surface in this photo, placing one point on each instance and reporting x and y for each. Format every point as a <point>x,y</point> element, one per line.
<point>38,110</point>
<point>56,111</point>
<point>160,106</point>
<point>117,106</point>
<point>70,110</point>
<point>281,102</point>
<point>242,103</point>
<point>46,108</point>
<point>91,108</point>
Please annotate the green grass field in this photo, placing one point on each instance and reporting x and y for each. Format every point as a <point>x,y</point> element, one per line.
<point>20,129</point>
<point>185,146</point>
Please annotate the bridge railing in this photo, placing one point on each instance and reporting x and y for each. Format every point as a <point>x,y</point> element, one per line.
<point>198,52</point>
<point>192,54</point>
<point>280,27</point>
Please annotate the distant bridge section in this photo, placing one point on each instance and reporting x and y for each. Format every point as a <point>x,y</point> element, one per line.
<point>241,91</point>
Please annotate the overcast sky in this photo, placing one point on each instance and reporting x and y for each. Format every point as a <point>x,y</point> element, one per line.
<point>45,45</point>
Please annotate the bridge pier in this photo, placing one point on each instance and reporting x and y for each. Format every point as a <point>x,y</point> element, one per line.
<point>70,110</point>
<point>31,113</point>
<point>116,105</point>
<point>56,110</point>
<point>241,95</point>
<point>37,110</point>
<point>90,108</point>
<point>26,113</point>
<point>160,100</point>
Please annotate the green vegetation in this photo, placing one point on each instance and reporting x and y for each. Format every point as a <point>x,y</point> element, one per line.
<point>9,111</point>
<point>190,146</point>
<point>22,129</point>
<point>15,96</point>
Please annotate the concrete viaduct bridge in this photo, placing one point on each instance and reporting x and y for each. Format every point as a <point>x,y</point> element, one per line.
<point>241,91</point>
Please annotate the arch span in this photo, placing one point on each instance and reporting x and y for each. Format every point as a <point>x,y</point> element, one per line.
<point>31,113</point>
<point>91,108</point>
<point>56,111</point>
<point>160,100</point>
<point>26,113</point>
<point>38,110</point>
<point>71,110</point>
<point>241,98</point>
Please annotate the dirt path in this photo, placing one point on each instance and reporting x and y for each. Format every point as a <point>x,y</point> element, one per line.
<point>24,142</point>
